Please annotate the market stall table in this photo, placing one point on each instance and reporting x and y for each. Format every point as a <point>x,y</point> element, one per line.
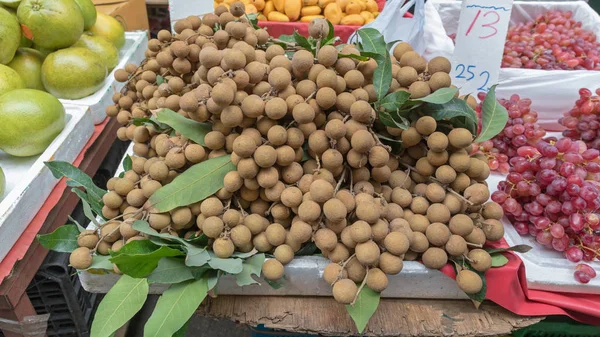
<point>21,264</point>
<point>394,317</point>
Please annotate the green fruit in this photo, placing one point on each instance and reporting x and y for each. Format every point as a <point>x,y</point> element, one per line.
<point>44,51</point>
<point>9,80</point>
<point>10,3</point>
<point>28,64</point>
<point>25,42</point>
<point>110,28</point>
<point>73,73</point>
<point>2,183</point>
<point>54,24</point>
<point>89,13</point>
<point>101,47</point>
<point>10,36</point>
<point>31,119</point>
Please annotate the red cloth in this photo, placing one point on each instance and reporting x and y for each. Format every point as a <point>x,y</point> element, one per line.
<point>287,28</point>
<point>17,252</point>
<point>507,286</point>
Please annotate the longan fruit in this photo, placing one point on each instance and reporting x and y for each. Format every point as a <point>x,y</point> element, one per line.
<point>232,218</point>
<point>424,168</point>
<point>492,210</point>
<point>284,254</point>
<point>300,231</point>
<point>309,211</point>
<point>240,235</point>
<point>223,248</point>
<point>181,216</point>
<point>325,239</point>
<point>88,238</point>
<point>261,243</point>
<point>460,162</point>
<point>110,232</point>
<point>439,64</point>
<point>493,229</point>
<point>378,156</point>
<point>211,207</point>
<point>419,205</point>
<point>302,61</point>
<point>159,221</point>
<point>367,212</point>
<point>419,243</point>
<point>445,174</point>
<point>400,179</point>
<point>344,291</point>
<point>265,156</point>
<point>400,49</point>
<point>81,258</point>
<point>338,254</point>
<point>136,198</point>
<point>326,97</point>
<point>419,89</point>
<point>477,193</point>
<point>435,193</point>
<point>406,76</point>
<point>367,252</point>
<point>333,272</point>
<point>438,234</point>
<point>438,213</point>
<point>326,78</point>
<point>321,190</point>
<point>456,245</point>
<point>435,258</point>
<point>460,138</point>
<point>437,142</point>
<point>213,227</point>
<point>362,141</point>
<point>123,186</point>
<point>275,234</point>
<point>272,270</point>
<point>390,264</point>
<point>469,282</point>
<point>334,210</point>
<point>112,199</point>
<point>461,224</point>
<point>401,197</point>
<point>361,111</point>
<point>377,280</point>
<point>480,260</point>
<point>437,158</point>
<point>280,78</point>
<point>439,80</point>
<point>410,137</point>
<point>426,125</point>
<point>396,243</point>
<point>360,231</point>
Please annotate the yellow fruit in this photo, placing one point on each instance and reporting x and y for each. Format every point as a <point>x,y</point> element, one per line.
<point>259,4</point>
<point>372,6</point>
<point>292,9</point>
<point>342,4</point>
<point>269,7</point>
<point>369,21</point>
<point>376,14</point>
<point>325,3</point>
<point>279,5</point>
<point>333,13</point>
<point>308,19</point>
<point>367,15</point>
<point>353,20</point>
<point>108,27</point>
<point>309,2</point>
<point>363,4</point>
<point>353,7</point>
<point>310,10</point>
<point>229,2</point>
<point>261,17</point>
<point>251,9</point>
<point>218,1</point>
<point>277,16</point>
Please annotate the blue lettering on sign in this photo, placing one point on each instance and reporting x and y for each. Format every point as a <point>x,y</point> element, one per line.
<point>489,7</point>
<point>484,75</point>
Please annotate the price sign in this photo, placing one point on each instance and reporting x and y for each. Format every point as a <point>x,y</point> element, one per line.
<point>480,44</point>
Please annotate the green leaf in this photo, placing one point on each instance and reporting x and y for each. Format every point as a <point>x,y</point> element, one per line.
<point>330,39</point>
<point>143,226</point>
<point>100,262</point>
<point>372,41</point>
<point>354,56</point>
<point>382,77</point>
<point>493,117</point>
<point>160,80</point>
<point>139,258</point>
<point>499,260</point>
<point>230,265</point>
<point>390,44</point>
<point>365,306</point>
<point>303,42</point>
<point>212,278</point>
<point>88,203</point>
<point>253,19</point>
<point>76,178</point>
<point>199,272</point>
<point>245,255</point>
<point>387,119</point>
<point>285,38</point>
<point>460,264</point>
<point>185,126</point>
<point>87,211</point>
<point>158,126</point>
<point>200,240</point>
<point>196,257</point>
<point>79,226</point>
<point>127,163</point>
<point>195,184</point>
<point>308,249</point>
<point>394,101</point>
<point>182,332</point>
<point>440,96</point>
<point>517,248</point>
<point>170,270</point>
<point>119,305</point>
<point>276,284</point>
<point>63,239</point>
<point>252,266</point>
<point>456,107</point>
<point>175,307</point>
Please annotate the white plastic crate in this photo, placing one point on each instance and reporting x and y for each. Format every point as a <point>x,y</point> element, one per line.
<point>29,181</point>
<point>304,277</point>
<point>181,9</point>
<point>132,52</point>
<point>552,92</point>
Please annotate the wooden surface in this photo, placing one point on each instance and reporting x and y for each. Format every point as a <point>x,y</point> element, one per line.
<point>14,303</point>
<point>394,317</point>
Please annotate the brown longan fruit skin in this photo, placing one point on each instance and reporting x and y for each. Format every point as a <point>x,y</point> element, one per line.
<point>396,243</point>
<point>435,258</point>
<point>426,125</point>
<point>456,245</point>
<point>419,243</point>
<point>333,272</point>
<point>492,210</point>
<point>377,280</point>
<point>88,238</point>
<point>367,252</point>
<point>469,282</point>
<point>493,229</point>
<point>390,264</point>
<point>461,224</point>
<point>480,260</point>
<point>344,291</point>
<point>223,248</point>
<point>81,258</point>
<point>460,138</point>
<point>437,234</point>
<point>272,270</point>
<point>284,254</point>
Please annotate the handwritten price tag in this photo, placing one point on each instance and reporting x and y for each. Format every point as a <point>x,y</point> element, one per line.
<point>480,44</point>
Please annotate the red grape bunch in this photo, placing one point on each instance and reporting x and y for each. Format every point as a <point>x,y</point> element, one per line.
<point>583,120</point>
<point>552,193</point>
<point>553,40</point>
<point>521,129</point>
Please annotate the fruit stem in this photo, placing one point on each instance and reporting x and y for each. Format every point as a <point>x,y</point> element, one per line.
<point>310,96</point>
<point>268,211</point>
<point>342,178</point>
<point>237,202</point>
<point>474,245</point>
<point>362,285</point>
<point>290,44</point>
<point>388,148</point>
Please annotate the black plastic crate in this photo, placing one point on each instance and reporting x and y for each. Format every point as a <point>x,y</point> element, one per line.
<point>56,290</point>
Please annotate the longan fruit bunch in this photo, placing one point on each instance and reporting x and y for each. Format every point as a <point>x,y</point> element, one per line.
<point>310,167</point>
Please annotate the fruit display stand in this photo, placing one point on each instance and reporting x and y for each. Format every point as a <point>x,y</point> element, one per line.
<point>17,315</point>
<point>29,181</point>
<point>533,83</point>
<point>132,52</point>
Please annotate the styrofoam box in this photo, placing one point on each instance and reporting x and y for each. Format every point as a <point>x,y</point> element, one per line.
<point>132,52</point>
<point>29,181</point>
<point>552,92</point>
<point>304,277</point>
<point>181,9</point>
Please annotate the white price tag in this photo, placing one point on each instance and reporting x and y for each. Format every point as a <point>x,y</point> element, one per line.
<point>480,44</point>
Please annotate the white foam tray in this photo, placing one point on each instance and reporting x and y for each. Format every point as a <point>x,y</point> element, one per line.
<point>304,277</point>
<point>29,181</point>
<point>132,52</point>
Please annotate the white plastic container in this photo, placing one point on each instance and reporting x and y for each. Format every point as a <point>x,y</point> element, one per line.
<point>29,181</point>
<point>132,52</point>
<point>304,277</point>
<point>552,92</point>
